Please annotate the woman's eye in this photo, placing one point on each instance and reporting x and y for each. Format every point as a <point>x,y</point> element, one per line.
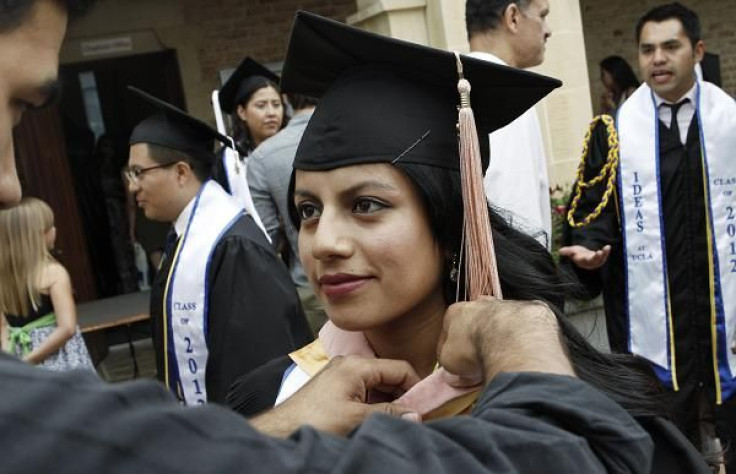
<point>307,211</point>
<point>366,206</point>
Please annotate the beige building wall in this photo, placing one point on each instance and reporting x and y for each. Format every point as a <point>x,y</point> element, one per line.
<point>564,115</point>
<point>609,29</point>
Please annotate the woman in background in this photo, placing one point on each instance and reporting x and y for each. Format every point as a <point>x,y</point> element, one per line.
<point>619,81</point>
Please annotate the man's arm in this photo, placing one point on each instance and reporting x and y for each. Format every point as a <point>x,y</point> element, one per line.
<point>523,423</point>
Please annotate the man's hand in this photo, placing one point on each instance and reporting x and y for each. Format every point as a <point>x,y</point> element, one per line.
<point>336,399</point>
<point>585,258</point>
<point>485,337</point>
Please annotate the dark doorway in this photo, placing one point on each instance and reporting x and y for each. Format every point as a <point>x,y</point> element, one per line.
<point>97,116</point>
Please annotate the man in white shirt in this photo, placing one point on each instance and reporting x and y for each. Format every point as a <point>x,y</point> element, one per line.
<point>514,33</point>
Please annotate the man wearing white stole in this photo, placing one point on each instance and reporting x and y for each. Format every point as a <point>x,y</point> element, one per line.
<point>222,303</point>
<point>664,250</point>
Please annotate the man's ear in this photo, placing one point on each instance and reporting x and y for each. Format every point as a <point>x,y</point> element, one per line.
<point>699,51</point>
<point>511,16</point>
<point>183,172</point>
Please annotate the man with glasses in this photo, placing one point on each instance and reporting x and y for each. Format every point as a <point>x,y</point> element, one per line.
<point>222,303</point>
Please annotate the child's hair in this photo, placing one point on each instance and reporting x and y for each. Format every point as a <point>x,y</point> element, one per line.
<point>23,254</point>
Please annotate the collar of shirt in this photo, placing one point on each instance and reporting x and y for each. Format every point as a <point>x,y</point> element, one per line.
<point>684,115</point>
<point>180,225</point>
<point>300,118</point>
<point>487,57</point>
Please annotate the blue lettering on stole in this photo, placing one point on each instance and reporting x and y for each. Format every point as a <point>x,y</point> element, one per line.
<point>724,181</point>
<point>191,306</point>
<point>638,202</point>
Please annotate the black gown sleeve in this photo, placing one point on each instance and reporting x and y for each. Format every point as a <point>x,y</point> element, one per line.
<point>256,391</point>
<point>602,231</point>
<point>254,310</point>
<point>73,423</point>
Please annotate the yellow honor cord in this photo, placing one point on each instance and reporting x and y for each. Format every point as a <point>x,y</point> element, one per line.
<point>609,170</point>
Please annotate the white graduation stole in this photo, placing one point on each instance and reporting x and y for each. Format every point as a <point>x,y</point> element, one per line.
<point>647,289</point>
<point>185,296</point>
<point>236,171</point>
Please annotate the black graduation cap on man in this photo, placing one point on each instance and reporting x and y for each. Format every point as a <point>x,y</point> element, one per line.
<point>173,128</point>
<point>384,100</point>
<point>247,77</point>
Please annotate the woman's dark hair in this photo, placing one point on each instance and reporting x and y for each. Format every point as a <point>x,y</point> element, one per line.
<point>241,134</point>
<point>528,272</point>
<point>621,73</point>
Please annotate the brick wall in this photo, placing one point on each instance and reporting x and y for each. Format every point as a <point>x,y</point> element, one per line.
<point>609,29</point>
<point>208,36</point>
<point>232,29</point>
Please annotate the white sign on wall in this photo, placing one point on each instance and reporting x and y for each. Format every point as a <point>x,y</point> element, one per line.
<point>107,46</point>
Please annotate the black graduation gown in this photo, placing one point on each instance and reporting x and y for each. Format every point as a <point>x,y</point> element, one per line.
<point>256,392</point>
<point>687,268</point>
<point>523,423</point>
<point>218,172</point>
<point>254,310</point>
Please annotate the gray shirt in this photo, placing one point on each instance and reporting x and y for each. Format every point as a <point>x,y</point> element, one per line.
<point>269,172</point>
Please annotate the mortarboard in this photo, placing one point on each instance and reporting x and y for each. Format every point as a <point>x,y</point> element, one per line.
<point>384,100</point>
<point>173,128</point>
<point>381,98</point>
<point>249,75</point>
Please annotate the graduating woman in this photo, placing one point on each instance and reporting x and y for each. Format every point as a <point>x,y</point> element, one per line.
<point>394,226</point>
<point>253,99</point>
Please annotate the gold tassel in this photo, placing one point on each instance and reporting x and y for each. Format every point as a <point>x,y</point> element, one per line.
<point>481,271</point>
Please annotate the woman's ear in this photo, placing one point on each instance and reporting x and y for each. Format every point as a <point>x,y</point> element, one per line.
<point>241,109</point>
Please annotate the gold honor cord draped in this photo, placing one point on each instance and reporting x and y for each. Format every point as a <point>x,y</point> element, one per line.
<point>609,170</point>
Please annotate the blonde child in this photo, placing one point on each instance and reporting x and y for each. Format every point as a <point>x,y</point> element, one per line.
<point>39,319</point>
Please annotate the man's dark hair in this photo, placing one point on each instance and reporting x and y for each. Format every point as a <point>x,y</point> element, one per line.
<point>299,101</point>
<point>164,155</point>
<point>485,15</point>
<point>672,11</point>
<point>14,12</point>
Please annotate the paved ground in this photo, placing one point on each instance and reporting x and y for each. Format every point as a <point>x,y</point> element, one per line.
<point>118,365</point>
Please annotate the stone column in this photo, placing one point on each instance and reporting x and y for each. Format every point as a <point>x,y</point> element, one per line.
<point>564,115</point>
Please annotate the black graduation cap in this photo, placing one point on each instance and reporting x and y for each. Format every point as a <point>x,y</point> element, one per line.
<point>384,99</point>
<point>173,128</point>
<point>241,83</point>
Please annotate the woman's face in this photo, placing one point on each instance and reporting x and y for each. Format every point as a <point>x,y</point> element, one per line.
<point>263,113</point>
<point>366,246</point>
<point>608,81</point>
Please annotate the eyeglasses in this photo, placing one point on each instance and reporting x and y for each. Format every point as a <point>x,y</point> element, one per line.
<point>133,173</point>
